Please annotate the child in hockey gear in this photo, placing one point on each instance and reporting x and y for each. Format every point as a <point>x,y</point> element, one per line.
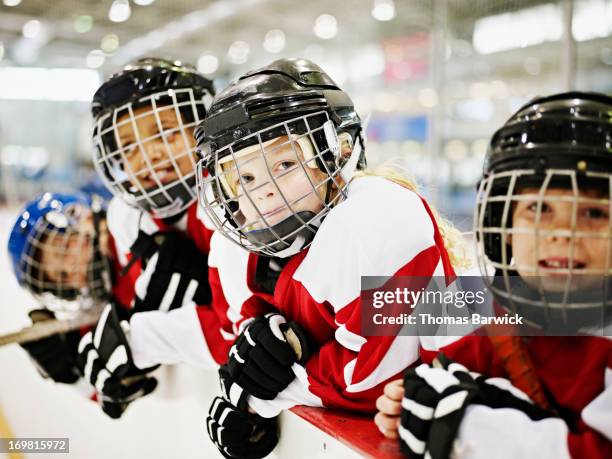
<point>282,175</point>
<point>144,120</point>
<point>62,253</point>
<point>543,223</point>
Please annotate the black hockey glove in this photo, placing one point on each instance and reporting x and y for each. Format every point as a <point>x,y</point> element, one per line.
<point>106,362</point>
<point>259,362</point>
<point>174,275</point>
<point>237,434</point>
<point>435,400</point>
<point>55,356</point>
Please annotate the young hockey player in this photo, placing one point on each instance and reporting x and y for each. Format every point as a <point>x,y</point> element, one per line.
<point>144,120</point>
<point>543,222</point>
<point>283,150</point>
<point>62,253</point>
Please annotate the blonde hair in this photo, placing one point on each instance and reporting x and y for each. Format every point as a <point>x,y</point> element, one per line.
<point>453,240</point>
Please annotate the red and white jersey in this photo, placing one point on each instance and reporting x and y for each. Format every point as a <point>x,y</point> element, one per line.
<point>190,334</point>
<point>575,372</point>
<point>381,229</point>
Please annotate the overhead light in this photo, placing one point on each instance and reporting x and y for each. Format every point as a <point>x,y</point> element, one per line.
<point>31,28</point>
<point>109,43</point>
<point>326,26</point>
<point>207,64</point>
<point>592,20</point>
<point>11,2</point>
<point>238,52</point>
<point>119,11</point>
<point>274,41</point>
<point>35,83</point>
<point>383,10</point>
<point>526,27</point>
<point>95,59</point>
<point>83,23</point>
<point>143,2</point>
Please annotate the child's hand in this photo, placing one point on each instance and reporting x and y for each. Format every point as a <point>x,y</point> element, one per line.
<point>389,406</point>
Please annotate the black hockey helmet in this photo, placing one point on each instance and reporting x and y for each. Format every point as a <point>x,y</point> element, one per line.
<point>161,85</point>
<point>290,98</point>
<point>147,76</point>
<point>562,141</point>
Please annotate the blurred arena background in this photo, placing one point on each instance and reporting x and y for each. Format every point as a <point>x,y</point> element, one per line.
<point>436,76</point>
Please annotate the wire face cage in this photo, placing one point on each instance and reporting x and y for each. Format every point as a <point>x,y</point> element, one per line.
<point>64,265</point>
<point>269,190</point>
<point>145,151</point>
<point>546,237</point>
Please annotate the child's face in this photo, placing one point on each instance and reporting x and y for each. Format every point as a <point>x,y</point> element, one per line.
<point>66,257</point>
<point>168,163</point>
<point>297,184</point>
<point>549,255</point>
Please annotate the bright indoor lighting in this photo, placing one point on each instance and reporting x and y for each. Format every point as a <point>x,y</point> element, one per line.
<point>119,11</point>
<point>274,41</point>
<point>383,10</point>
<point>527,27</point>
<point>109,43</point>
<point>31,28</point>
<point>34,83</point>
<point>326,27</point>
<point>207,64</point>
<point>83,23</point>
<point>238,52</point>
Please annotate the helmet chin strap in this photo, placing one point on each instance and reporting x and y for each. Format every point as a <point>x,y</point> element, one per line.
<point>348,170</point>
<point>302,234</point>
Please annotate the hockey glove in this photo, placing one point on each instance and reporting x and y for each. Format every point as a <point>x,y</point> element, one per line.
<point>237,434</point>
<point>106,362</point>
<point>55,356</point>
<point>174,275</point>
<point>435,400</point>
<point>260,361</point>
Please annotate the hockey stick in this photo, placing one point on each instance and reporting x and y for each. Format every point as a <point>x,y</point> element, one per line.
<point>521,371</point>
<point>47,328</point>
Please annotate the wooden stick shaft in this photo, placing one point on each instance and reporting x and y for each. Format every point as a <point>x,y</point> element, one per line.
<point>51,327</point>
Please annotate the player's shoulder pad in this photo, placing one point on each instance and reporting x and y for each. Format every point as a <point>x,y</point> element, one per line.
<point>377,230</point>
<point>377,212</point>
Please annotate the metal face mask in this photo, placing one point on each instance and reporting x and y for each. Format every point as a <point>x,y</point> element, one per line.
<point>270,190</point>
<point>145,150</point>
<point>63,263</point>
<point>547,237</point>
